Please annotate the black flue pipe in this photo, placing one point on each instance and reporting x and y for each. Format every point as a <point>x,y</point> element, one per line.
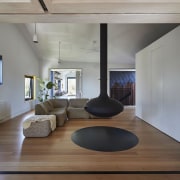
<point>103,60</point>
<point>103,105</point>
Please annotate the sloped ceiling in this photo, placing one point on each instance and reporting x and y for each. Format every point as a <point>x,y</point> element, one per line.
<point>80,42</point>
<point>57,21</point>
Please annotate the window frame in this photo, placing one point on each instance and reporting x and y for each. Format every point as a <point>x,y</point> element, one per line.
<point>1,70</point>
<point>32,81</point>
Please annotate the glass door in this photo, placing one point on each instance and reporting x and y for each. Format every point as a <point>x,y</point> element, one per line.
<point>71,86</point>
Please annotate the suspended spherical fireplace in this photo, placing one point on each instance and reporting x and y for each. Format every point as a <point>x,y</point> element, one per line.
<point>103,106</point>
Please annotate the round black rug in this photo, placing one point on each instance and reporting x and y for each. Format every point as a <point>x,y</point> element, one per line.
<point>104,138</point>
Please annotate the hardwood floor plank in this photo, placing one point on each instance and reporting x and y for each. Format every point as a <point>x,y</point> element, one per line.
<point>90,177</point>
<point>154,152</point>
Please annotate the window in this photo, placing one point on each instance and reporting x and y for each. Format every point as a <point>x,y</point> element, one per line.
<point>71,86</point>
<point>29,87</point>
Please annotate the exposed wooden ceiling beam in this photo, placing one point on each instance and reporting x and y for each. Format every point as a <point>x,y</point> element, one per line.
<point>20,7</point>
<point>90,6</point>
<point>91,18</point>
<point>113,6</point>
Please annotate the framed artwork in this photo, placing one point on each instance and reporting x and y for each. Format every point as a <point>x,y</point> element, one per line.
<point>122,85</point>
<point>1,70</point>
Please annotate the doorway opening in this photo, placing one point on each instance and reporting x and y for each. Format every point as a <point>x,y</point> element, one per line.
<point>68,83</point>
<point>71,86</point>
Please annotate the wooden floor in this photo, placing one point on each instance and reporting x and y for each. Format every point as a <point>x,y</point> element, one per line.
<point>156,156</point>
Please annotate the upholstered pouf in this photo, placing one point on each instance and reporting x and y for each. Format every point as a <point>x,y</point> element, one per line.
<point>39,125</point>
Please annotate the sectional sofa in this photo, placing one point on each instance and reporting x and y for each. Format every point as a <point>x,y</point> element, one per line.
<point>63,109</point>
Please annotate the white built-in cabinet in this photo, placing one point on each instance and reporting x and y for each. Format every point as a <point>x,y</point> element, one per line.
<point>158,84</point>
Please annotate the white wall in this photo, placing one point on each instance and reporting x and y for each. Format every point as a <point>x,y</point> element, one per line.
<point>90,74</point>
<point>157,82</point>
<point>18,60</point>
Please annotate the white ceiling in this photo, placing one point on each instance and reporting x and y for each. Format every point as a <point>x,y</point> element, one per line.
<point>77,40</point>
<point>80,42</point>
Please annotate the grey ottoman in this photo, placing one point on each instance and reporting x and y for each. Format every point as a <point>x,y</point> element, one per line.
<point>39,125</point>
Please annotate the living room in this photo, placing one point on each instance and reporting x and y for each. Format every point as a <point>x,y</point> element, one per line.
<point>20,59</point>
<point>16,38</point>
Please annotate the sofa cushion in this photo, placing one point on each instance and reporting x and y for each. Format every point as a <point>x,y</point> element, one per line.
<point>59,103</point>
<point>58,111</point>
<point>44,108</point>
<point>48,106</point>
<point>78,102</point>
<point>77,113</point>
<point>40,109</point>
<point>76,108</point>
<point>61,116</point>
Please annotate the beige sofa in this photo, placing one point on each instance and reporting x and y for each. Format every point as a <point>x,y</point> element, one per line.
<point>56,107</point>
<point>64,109</point>
<point>76,110</point>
